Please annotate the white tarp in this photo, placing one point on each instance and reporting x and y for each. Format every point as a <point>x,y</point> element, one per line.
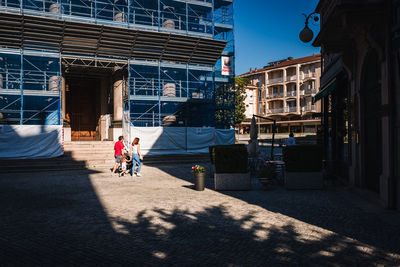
<point>160,140</point>
<point>30,141</point>
<point>180,140</point>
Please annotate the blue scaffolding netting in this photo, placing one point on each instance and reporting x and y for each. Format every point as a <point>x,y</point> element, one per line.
<point>160,93</point>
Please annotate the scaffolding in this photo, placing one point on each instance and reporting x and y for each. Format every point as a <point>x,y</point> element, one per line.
<point>161,93</point>
<point>29,88</point>
<point>183,16</point>
<point>177,86</point>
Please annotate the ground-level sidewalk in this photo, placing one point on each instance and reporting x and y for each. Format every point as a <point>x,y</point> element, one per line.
<point>91,217</point>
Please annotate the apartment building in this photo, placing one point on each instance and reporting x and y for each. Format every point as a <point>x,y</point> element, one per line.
<point>284,90</point>
<point>94,70</point>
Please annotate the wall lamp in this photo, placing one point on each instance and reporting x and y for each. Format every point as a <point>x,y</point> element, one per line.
<point>306,35</point>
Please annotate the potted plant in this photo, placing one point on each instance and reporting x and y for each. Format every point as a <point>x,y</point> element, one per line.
<point>230,164</point>
<point>199,175</point>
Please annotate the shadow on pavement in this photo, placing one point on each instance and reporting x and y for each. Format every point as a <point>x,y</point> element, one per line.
<point>332,209</point>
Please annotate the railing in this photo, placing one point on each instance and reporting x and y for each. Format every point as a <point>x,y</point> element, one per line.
<point>291,109</point>
<point>291,93</point>
<point>275,95</point>
<point>274,110</point>
<point>310,91</point>
<point>191,18</point>
<point>291,78</point>
<point>309,75</point>
<point>308,108</point>
<point>275,80</point>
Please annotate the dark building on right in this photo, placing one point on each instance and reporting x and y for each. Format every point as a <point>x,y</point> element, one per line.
<point>360,93</point>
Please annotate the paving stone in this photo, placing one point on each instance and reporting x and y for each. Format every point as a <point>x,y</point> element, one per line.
<point>93,218</point>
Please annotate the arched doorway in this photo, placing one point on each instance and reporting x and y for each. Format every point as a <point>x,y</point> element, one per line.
<point>371,121</point>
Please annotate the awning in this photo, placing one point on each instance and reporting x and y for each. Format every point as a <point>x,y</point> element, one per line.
<point>80,38</point>
<point>326,90</point>
<point>329,79</point>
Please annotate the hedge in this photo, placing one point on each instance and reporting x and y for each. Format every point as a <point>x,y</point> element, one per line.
<point>229,158</point>
<point>303,158</point>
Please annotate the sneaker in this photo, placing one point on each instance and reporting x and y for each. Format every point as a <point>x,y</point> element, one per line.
<point>138,175</point>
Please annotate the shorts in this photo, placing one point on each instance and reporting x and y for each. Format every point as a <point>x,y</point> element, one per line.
<point>118,158</point>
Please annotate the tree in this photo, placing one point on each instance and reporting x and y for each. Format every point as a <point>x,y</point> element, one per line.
<point>240,96</point>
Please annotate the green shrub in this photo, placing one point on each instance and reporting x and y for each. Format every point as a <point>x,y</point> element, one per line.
<point>211,151</point>
<point>303,158</point>
<point>229,158</point>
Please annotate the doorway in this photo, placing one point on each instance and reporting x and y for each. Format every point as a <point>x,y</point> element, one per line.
<point>83,107</point>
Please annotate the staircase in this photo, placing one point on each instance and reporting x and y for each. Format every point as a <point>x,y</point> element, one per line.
<point>84,155</point>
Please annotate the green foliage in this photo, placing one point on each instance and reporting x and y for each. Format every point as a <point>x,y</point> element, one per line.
<point>230,158</point>
<point>225,105</point>
<point>240,96</point>
<point>303,158</point>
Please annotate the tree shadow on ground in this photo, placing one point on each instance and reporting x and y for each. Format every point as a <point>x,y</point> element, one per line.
<point>59,219</point>
<point>214,237</point>
<point>332,209</point>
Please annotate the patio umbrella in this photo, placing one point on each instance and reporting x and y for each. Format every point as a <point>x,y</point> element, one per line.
<point>253,143</point>
<point>253,129</point>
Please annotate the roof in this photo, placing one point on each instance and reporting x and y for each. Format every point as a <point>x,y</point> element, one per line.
<point>286,63</point>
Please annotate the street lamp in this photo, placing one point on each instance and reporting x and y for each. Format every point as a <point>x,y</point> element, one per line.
<point>306,35</point>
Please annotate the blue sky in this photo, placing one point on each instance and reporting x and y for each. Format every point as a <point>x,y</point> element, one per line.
<point>268,30</point>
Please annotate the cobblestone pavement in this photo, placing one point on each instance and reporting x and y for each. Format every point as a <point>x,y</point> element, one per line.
<point>92,218</point>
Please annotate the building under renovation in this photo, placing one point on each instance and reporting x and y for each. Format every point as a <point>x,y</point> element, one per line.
<point>73,70</point>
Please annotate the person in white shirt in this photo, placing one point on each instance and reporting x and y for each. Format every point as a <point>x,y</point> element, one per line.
<point>123,166</point>
<point>291,141</point>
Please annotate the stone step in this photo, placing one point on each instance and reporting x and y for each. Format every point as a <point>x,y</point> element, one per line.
<point>68,162</point>
<point>89,156</point>
<point>95,150</point>
<point>89,143</point>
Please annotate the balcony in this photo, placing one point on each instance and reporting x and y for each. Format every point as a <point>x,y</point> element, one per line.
<point>291,109</point>
<point>291,93</point>
<point>275,80</point>
<point>308,108</point>
<point>292,78</point>
<point>275,110</point>
<point>275,95</point>
<point>308,92</point>
<point>309,75</point>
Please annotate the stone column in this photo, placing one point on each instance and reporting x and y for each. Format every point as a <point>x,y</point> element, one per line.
<point>284,75</point>
<point>118,86</point>
<point>298,88</point>
<point>285,105</point>
<point>117,93</point>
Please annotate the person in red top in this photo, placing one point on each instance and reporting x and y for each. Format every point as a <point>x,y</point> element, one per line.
<point>118,147</point>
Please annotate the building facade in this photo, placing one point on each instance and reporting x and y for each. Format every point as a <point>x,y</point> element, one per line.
<point>98,69</point>
<point>284,90</point>
<point>360,94</point>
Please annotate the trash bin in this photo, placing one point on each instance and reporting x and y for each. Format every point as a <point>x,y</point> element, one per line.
<point>199,180</point>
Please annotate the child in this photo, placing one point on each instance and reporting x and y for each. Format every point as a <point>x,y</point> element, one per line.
<point>123,166</point>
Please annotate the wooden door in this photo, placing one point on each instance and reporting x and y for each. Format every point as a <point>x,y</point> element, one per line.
<point>82,108</point>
